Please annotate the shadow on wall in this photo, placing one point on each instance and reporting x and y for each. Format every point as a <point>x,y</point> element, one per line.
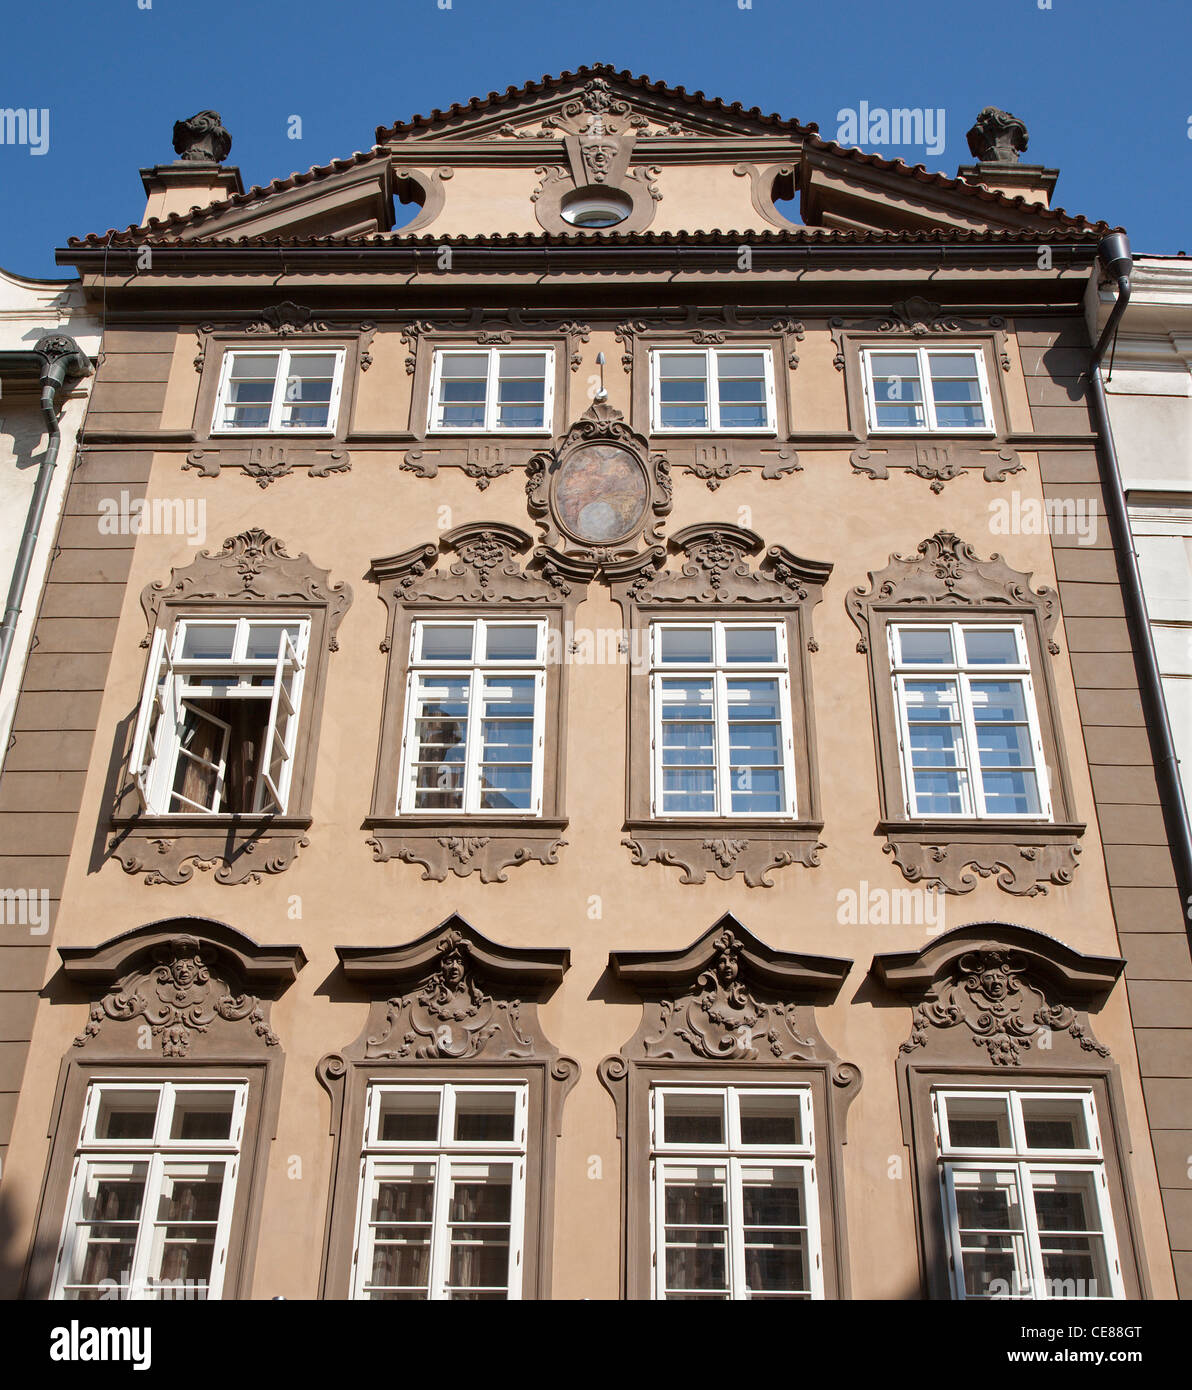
<point>13,1256</point>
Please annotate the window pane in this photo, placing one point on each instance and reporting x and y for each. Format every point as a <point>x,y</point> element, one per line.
<point>685,644</point>
<point>508,743</point>
<point>208,641</point>
<point>186,1226</point>
<point>775,1221</point>
<point>1054,1123</point>
<point>926,646</point>
<point>401,1214</point>
<point>512,643</point>
<point>126,1114</point>
<point>485,1115</point>
<point>1070,1239</point>
<point>979,1122</point>
<point>755,747</point>
<point>683,391</point>
<point>693,1117</point>
<point>936,746</point>
<point>992,1246</point>
<point>307,390</point>
<point>695,1237</point>
<point>1004,744</point>
<point>409,1117</point>
<point>688,746</point>
<point>521,390</point>
<point>741,384</point>
<point>463,385</point>
<point>202,1115</point>
<point>897,390</point>
<point>986,647</point>
<point>956,390</point>
<point>440,742</point>
<point>751,644</point>
<point>770,1119</point>
<point>440,642</point>
<point>265,640</point>
<point>105,1235</point>
<point>479,1227</point>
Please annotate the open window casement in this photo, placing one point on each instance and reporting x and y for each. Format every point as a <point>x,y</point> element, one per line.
<point>150,716</point>
<point>218,722</point>
<point>277,760</point>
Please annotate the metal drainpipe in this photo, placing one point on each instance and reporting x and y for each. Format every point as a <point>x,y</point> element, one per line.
<point>1114,254</point>
<point>61,358</point>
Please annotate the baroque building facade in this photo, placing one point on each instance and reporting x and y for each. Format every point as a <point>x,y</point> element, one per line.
<point>621,802</point>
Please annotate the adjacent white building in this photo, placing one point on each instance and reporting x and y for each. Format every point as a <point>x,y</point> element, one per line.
<point>29,311</point>
<point>1150,406</point>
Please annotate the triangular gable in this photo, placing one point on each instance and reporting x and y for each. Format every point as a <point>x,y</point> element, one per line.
<point>844,190</point>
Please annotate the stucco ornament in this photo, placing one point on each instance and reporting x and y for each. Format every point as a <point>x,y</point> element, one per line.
<point>179,995</point>
<point>202,138</point>
<point>991,994</point>
<point>450,1016</point>
<point>602,492</point>
<point>997,137</point>
<point>722,1018</point>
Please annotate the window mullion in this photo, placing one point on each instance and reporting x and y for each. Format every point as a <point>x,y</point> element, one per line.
<point>279,389</point>
<point>723,774</point>
<point>712,388</point>
<point>472,741</point>
<point>736,1229</point>
<point>927,388</point>
<point>146,1227</point>
<point>972,754</point>
<point>440,1245</point>
<point>1030,1226</point>
<point>490,390</point>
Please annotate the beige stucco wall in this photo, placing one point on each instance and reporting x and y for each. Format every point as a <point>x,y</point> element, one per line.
<point>334,893</point>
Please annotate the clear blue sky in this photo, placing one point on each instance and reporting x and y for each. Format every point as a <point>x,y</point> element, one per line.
<point>1104,85</point>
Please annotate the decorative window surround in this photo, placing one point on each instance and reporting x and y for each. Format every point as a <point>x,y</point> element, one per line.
<point>729,1010</point>
<point>252,576</point>
<point>939,456</point>
<point>715,456</point>
<point>483,457</point>
<point>721,576</point>
<point>265,455</point>
<point>946,581</point>
<point>484,575</point>
<point>999,1006</point>
<point>449,1007</point>
<point>202,992</point>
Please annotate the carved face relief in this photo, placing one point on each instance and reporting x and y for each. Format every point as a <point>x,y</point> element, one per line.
<point>599,159</point>
<point>601,493</point>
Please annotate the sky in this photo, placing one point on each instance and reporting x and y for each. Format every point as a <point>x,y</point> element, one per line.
<point>1104,86</point>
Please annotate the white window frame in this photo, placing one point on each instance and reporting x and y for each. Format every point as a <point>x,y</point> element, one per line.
<point>929,425</point>
<point>963,673</point>
<point>721,671</point>
<point>491,412</point>
<point>478,671</point>
<point>1025,1165</point>
<point>737,1159</point>
<point>380,1156</point>
<point>278,404</point>
<point>94,1156</point>
<point>713,380</point>
<point>156,745</point>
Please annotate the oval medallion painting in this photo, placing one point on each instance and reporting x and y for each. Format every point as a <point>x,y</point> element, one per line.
<point>600,493</point>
